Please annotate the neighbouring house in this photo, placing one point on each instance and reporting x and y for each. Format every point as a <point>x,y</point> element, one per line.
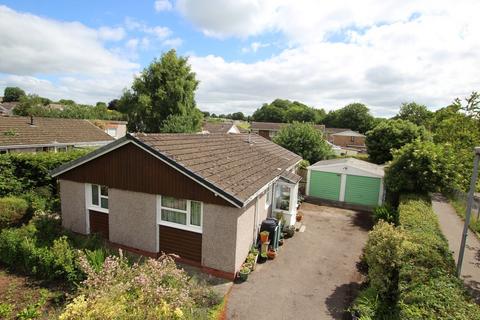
<point>6,108</point>
<point>200,196</point>
<point>346,181</point>
<point>270,129</point>
<point>220,127</point>
<point>348,139</point>
<point>35,134</point>
<point>116,129</point>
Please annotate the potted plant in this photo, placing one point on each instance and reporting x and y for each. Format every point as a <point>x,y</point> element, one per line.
<point>251,260</point>
<point>264,236</point>
<point>299,217</point>
<point>289,231</point>
<point>271,254</point>
<point>244,272</point>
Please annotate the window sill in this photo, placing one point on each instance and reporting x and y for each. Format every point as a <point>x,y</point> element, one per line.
<point>98,209</point>
<point>181,226</point>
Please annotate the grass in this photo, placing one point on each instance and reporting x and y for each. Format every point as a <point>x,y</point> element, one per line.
<point>461,210</point>
<point>24,298</point>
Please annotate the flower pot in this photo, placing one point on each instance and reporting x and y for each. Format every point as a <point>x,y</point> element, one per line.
<point>271,255</point>
<point>280,242</point>
<point>299,217</point>
<point>243,275</point>
<point>264,236</point>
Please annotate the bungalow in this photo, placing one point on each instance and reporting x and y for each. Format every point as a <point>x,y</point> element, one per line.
<point>200,196</point>
<point>35,134</point>
<point>348,139</point>
<point>270,129</point>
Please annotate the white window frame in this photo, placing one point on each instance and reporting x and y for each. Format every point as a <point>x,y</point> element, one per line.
<point>187,226</point>
<point>92,206</point>
<point>269,196</point>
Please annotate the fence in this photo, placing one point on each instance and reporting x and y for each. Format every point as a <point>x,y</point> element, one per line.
<point>463,198</point>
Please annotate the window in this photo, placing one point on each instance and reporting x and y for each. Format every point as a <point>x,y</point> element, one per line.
<point>283,197</point>
<point>112,132</point>
<point>268,200</point>
<point>352,139</point>
<point>181,213</point>
<point>99,198</point>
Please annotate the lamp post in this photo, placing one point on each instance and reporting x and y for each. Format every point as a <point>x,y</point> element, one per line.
<point>471,193</point>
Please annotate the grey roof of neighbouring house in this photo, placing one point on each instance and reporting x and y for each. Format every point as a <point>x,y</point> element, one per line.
<point>360,164</point>
<point>236,166</point>
<point>274,126</point>
<point>348,133</point>
<point>217,127</point>
<point>18,131</point>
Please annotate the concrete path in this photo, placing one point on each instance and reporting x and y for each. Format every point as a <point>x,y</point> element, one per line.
<point>452,227</point>
<point>314,275</point>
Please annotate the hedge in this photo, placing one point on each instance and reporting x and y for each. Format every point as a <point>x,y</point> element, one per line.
<point>418,279</point>
<point>12,210</point>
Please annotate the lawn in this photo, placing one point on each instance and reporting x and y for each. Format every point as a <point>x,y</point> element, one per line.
<point>461,210</point>
<point>24,298</point>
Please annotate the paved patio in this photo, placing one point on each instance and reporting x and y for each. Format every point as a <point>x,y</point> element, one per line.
<point>314,275</point>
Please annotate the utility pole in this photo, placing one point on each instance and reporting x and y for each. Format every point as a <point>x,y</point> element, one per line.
<point>471,194</point>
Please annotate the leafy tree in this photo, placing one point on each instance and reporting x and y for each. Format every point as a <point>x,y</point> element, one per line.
<point>472,108</point>
<point>273,112</point>
<point>422,167</point>
<point>166,87</point>
<point>237,116</point>
<point>301,113</point>
<point>66,102</point>
<point>29,105</point>
<point>113,105</point>
<point>188,123</point>
<point>389,135</point>
<point>11,94</point>
<point>415,113</point>
<point>355,116</point>
<point>304,140</point>
<point>287,111</point>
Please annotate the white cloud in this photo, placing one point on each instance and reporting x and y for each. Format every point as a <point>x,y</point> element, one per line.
<point>112,34</point>
<point>173,42</point>
<point>31,46</point>
<point>379,53</point>
<point>254,46</point>
<point>159,32</point>
<point>162,5</point>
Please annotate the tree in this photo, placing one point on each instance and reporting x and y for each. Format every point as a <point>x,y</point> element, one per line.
<point>422,167</point>
<point>11,94</point>
<point>415,113</point>
<point>113,105</point>
<point>304,140</point>
<point>301,113</point>
<point>237,116</point>
<point>273,112</point>
<point>66,102</point>
<point>472,108</point>
<point>355,116</point>
<point>30,105</point>
<point>166,87</point>
<point>188,123</point>
<point>287,111</point>
<point>389,135</point>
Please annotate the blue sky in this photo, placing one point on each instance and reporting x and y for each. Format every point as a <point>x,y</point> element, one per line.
<point>247,52</point>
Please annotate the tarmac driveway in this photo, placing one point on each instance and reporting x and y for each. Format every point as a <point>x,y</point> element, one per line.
<point>314,275</point>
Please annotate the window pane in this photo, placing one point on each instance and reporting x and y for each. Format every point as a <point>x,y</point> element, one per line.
<point>95,194</point>
<point>283,198</point>
<point>174,216</point>
<point>104,203</point>
<point>104,191</point>
<point>174,203</point>
<point>196,213</point>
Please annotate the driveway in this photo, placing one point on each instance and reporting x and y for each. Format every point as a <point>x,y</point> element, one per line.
<point>314,275</point>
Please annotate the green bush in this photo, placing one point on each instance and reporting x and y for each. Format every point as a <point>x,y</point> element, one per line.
<point>416,256</point>
<point>385,213</point>
<point>41,249</point>
<point>12,210</point>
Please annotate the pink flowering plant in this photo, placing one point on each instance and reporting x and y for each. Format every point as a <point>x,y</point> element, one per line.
<point>153,289</point>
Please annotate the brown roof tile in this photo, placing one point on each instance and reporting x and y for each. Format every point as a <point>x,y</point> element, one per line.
<point>229,162</point>
<point>48,131</point>
<point>217,127</point>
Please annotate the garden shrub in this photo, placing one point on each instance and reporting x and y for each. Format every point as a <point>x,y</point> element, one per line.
<point>417,254</point>
<point>385,213</point>
<point>155,289</point>
<point>12,210</point>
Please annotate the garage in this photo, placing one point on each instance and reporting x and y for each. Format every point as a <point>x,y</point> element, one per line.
<point>346,180</point>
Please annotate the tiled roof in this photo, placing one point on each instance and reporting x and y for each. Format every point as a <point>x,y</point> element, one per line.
<point>228,161</point>
<point>349,133</point>
<point>47,131</point>
<point>291,177</point>
<point>273,126</point>
<point>217,127</point>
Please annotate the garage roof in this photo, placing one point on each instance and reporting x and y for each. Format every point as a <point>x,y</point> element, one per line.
<point>371,168</point>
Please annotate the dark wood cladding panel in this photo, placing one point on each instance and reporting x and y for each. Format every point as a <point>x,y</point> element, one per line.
<point>131,168</point>
<point>186,244</point>
<point>264,133</point>
<point>99,223</point>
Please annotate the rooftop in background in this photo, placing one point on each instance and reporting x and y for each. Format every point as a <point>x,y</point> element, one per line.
<point>220,127</point>
<point>349,133</point>
<point>274,126</point>
<point>6,108</point>
<point>20,132</point>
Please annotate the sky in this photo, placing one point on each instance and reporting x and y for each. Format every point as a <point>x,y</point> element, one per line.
<point>248,52</point>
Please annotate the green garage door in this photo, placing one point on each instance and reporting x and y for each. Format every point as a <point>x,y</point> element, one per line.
<point>325,185</point>
<point>362,190</point>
